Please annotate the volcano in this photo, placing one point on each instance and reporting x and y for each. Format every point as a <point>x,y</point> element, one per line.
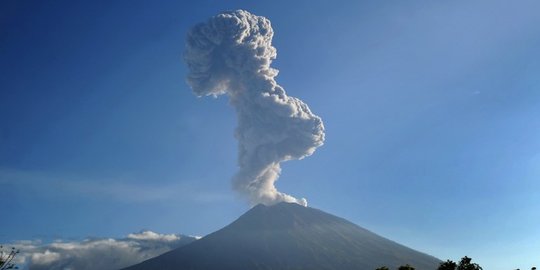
<point>289,236</point>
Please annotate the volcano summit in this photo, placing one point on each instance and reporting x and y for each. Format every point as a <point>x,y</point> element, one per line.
<point>289,236</point>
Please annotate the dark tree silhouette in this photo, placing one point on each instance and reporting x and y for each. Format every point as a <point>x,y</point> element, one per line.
<point>448,265</point>
<point>6,258</point>
<point>467,264</point>
<point>382,268</point>
<point>406,267</point>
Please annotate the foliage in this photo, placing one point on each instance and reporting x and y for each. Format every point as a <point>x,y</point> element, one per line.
<point>406,267</point>
<point>466,264</point>
<point>6,258</point>
<point>448,265</point>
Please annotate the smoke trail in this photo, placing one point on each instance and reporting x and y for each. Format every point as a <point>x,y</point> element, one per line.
<point>231,54</point>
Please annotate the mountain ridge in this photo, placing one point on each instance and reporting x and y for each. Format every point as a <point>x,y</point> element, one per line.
<point>289,236</point>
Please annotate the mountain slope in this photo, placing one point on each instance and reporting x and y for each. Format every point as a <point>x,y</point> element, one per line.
<point>289,236</point>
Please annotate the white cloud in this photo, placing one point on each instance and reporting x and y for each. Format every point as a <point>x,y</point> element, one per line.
<point>149,235</point>
<point>102,253</point>
<point>46,257</point>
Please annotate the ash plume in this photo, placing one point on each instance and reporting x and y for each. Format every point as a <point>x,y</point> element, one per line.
<point>231,54</point>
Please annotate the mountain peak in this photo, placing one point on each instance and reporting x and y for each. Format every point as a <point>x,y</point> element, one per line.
<point>289,236</point>
<point>281,216</point>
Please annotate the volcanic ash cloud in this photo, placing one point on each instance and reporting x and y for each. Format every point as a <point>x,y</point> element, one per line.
<point>231,54</point>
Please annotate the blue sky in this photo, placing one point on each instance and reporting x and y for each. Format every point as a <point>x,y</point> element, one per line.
<point>431,111</point>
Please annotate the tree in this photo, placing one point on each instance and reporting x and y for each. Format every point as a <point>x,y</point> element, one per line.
<point>406,267</point>
<point>382,268</point>
<point>466,264</point>
<point>448,265</point>
<point>6,258</point>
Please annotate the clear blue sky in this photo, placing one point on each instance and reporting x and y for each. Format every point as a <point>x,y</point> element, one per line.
<point>431,108</point>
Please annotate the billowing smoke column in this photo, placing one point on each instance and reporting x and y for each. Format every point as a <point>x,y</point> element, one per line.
<point>231,54</point>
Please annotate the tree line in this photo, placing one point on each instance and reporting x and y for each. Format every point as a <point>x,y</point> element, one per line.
<point>464,264</point>
<point>6,262</point>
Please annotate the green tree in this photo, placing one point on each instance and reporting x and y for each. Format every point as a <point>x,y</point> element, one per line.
<point>448,265</point>
<point>467,264</point>
<point>6,258</point>
<point>406,267</point>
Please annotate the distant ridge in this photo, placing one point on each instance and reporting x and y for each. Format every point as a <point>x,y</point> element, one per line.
<point>289,236</point>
